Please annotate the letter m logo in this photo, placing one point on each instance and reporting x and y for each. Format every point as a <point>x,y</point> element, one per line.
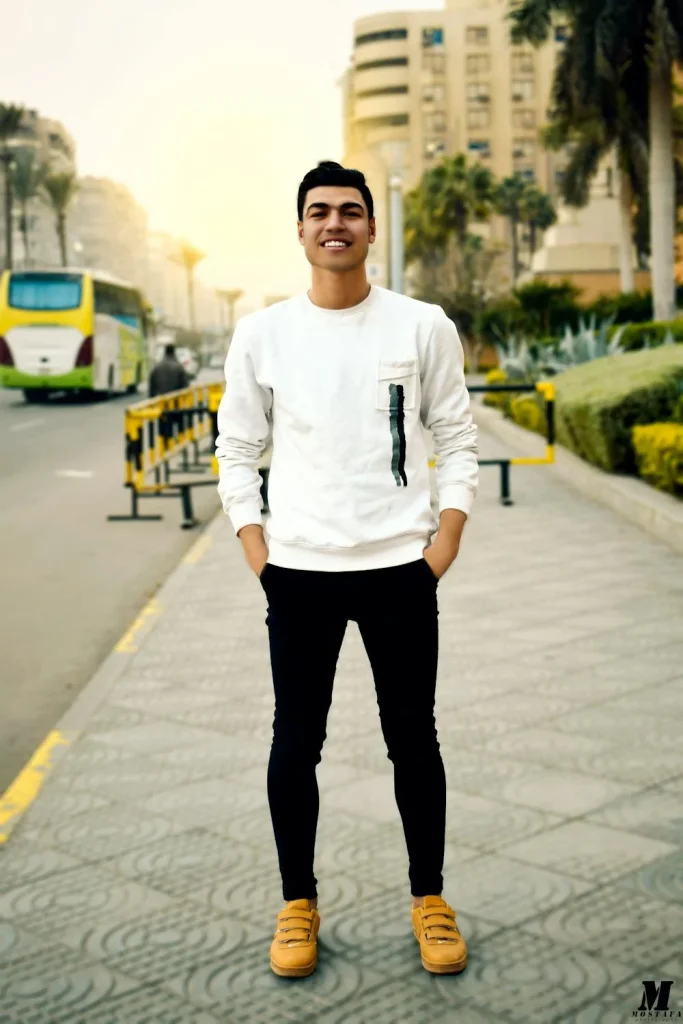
<point>656,997</point>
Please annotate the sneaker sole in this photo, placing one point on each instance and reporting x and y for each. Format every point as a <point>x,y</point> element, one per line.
<point>293,972</point>
<point>454,968</point>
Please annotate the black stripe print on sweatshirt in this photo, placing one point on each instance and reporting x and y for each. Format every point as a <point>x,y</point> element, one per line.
<point>398,434</point>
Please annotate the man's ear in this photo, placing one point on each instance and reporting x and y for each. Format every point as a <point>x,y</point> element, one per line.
<point>373,230</point>
<point>300,231</point>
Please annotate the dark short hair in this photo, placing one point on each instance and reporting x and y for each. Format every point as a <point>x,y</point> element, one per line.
<point>169,350</point>
<point>330,173</point>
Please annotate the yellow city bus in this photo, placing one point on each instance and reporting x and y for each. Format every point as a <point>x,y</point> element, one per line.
<point>71,330</point>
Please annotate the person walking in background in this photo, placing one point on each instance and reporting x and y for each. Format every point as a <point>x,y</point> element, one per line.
<point>345,376</point>
<point>167,375</point>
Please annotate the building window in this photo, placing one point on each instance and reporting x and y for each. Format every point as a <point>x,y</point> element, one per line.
<point>528,173</point>
<point>380,37</point>
<point>522,63</point>
<point>434,148</point>
<point>522,89</point>
<point>435,123</point>
<point>434,62</point>
<point>432,37</point>
<point>477,36</point>
<point>478,92</point>
<point>388,90</point>
<point>388,121</point>
<point>389,62</point>
<point>524,119</point>
<point>478,64</point>
<point>479,148</point>
<point>524,149</point>
<point>477,120</point>
<point>561,34</point>
<point>432,94</point>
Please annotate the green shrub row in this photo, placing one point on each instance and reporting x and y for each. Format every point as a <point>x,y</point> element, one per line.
<point>599,403</point>
<point>659,455</point>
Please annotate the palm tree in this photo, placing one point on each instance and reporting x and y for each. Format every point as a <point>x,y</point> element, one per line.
<point>230,296</point>
<point>59,190</point>
<point>439,211</point>
<point>10,121</point>
<point>188,257</point>
<point>465,193</point>
<point>538,213</point>
<point>510,196</point>
<point>611,35</point>
<point>28,175</point>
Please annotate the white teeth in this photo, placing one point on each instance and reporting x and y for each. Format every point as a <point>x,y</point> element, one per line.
<point>335,245</point>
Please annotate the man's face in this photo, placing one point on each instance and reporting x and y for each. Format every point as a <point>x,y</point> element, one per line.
<point>336,214</point>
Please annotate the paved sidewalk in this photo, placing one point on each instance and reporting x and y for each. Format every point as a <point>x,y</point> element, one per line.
<point>142,885</point>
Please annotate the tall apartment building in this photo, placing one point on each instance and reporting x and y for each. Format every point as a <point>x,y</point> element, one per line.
<point>108,230</point>
<point>426,84</point>
<point>54,147</point>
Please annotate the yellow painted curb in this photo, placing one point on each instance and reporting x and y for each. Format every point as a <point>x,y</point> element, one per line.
<point>29,782</point>
<point>126,644</point>
<point>198,550</point>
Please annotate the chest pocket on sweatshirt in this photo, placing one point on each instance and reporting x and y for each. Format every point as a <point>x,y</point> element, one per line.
<point>401,375</point>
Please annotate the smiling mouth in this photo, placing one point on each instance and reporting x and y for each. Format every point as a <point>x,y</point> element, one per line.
<point>341,244</point>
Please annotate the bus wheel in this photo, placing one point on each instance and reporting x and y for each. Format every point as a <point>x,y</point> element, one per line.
<point>36,395</point>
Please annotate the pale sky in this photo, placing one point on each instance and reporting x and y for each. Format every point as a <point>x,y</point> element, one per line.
<point>211,111</point>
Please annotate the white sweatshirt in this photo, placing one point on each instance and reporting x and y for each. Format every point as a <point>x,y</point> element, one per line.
<point>345,394</point>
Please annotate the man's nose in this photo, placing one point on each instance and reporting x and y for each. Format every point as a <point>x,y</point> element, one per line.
<point>334,221</point>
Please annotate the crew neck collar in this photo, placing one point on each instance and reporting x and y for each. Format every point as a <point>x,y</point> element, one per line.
<point>361,307</point>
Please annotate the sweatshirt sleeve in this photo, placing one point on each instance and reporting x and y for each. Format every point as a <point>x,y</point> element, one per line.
<point>445,411</point>
<point>243,430</point>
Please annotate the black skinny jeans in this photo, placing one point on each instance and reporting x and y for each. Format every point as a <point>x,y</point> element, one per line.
<point>397,615</point>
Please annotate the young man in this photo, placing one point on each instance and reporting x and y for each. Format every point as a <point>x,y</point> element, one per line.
<point>345,376</point>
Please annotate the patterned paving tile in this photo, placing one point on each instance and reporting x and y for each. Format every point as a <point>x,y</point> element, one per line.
<point>31,862</point>
<point>656,813</point>
<point>526,978</point>
<point>49,906</point>
<point>662,880</point>
<point>590,852</point>
<point>505,892</point>
<point>490,824</point>
<point>55,986</point>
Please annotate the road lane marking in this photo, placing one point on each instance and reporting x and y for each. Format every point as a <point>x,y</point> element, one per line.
<point>75,474</point>
<point>126,644</point>
<point>198,550</point>
<point>29,782</point>
<point>25,426</point>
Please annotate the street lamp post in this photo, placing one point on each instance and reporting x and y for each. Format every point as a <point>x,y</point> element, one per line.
<point>396,232</point>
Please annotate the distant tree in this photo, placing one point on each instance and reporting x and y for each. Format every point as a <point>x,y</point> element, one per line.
<point>10,121</point>
<point>59,189</point>
<point>28,175</point>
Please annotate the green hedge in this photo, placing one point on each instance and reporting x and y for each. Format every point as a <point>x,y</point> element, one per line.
<point>598,403</point>
<point>635,335</point>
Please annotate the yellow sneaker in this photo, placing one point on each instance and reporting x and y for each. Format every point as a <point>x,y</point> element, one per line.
<point>442,947</point>
<point>294,950</point>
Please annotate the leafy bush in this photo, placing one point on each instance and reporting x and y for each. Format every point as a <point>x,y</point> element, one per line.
<point>599,403</point>
<point>659,455</point>
<point>631,307</point>
<point>528,412</point>
<point>497,399</point>
<point>650,334</point>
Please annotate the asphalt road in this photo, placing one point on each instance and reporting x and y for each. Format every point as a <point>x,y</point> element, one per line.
<point>71,583</point>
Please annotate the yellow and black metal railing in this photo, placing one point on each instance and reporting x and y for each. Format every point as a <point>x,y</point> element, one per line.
<point>545,388</point>
<point>163,447</point>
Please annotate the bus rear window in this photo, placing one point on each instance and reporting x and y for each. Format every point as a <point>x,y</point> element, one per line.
<point>45,292</point>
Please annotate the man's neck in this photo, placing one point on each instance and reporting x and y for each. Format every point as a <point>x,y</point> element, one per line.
<point>338,291</point>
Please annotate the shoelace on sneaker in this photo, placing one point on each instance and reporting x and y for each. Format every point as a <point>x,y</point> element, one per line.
<point>445,930</point>
<point>296,915</point>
